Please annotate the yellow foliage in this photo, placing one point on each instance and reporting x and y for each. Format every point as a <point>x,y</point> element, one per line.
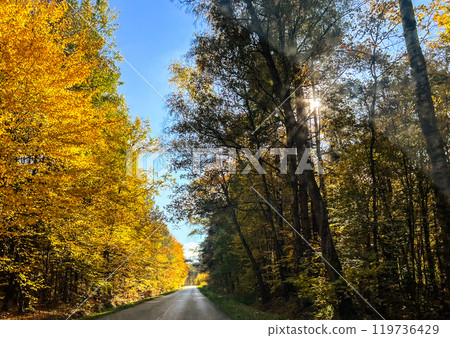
<point>442,17</point>
<point>69,214</point>
<point>202,279</point>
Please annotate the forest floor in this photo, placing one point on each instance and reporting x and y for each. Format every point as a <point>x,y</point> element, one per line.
<point>235,309</point>
<point>40,313</point>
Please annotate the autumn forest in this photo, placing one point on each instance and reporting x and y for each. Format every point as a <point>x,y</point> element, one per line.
<point>70,214</point>
<point>358,228</point>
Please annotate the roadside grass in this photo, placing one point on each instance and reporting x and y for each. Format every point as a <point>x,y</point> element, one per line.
<point>111,310</point>
<point>234,309</point>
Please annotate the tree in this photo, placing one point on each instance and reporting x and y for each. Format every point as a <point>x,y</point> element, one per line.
<point>440,172</point>
<point>273,45</point>
<point>70,214</point>
<point>244,84</point>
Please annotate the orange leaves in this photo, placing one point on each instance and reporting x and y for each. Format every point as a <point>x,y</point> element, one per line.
<point>386,9</point>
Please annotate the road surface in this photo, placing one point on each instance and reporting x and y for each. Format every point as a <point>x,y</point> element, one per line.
<point>188,303</point>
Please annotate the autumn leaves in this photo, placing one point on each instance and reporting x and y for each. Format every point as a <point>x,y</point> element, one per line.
<point>69,214</point>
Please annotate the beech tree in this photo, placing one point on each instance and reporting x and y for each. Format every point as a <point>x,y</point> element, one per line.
<point>69,213</point>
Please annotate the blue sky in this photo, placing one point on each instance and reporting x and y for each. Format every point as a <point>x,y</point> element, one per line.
<point>152,34</point>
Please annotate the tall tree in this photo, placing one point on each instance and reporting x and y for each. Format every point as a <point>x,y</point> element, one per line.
<point>69,213</point>
<point>435,146</point>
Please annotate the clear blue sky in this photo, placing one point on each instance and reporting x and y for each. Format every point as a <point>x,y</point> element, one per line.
<point>152,34</point>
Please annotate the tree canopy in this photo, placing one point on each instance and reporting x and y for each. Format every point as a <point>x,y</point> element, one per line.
<point>367,238</point>
<point>69,213</point>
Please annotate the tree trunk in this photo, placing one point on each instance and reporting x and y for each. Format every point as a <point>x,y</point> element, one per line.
<point>9,291</point>
<point>302,143</point>
<point>297,133</point>
<point>411,223</point>
<point>278,249</point>
<point>372,161</point>
<point>333,266</point>
<point>309,184</point>
<point>318,128</point>
<point>263,291</point>
<point>423,196</point>
<point>440,173</point>
<point>299,245</point>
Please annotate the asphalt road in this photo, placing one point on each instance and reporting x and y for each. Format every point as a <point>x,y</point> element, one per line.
<point>188,303</point>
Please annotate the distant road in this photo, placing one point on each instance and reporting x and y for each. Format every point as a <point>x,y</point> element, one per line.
<point>188,303</point>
